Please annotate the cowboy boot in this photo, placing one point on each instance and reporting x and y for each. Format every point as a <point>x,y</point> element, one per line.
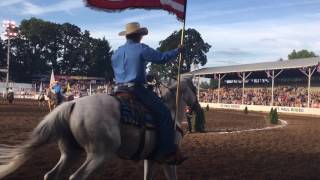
<point>175,158</point>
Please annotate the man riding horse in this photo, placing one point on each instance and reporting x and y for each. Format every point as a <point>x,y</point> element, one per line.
<point>10,95</point>
<point>129,64</point>
<point>57,91</point>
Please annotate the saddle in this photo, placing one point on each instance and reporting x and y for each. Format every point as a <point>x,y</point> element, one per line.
<point>137,127</point>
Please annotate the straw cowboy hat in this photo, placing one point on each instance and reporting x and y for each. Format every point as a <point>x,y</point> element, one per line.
<point>134,28</point>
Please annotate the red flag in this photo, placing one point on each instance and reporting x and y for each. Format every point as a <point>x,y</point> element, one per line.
<point>268,74</point>
<point>176,7</point>
<point>215,76</point>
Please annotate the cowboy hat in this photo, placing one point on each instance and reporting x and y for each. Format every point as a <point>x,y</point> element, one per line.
<point>134,28</point>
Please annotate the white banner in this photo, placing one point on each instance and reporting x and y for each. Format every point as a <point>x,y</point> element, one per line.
<point>259,108</point>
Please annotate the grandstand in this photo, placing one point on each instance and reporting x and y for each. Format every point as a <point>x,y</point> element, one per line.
<point>290,86</point>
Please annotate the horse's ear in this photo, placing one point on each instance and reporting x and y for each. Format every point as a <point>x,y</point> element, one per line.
<point>187,77</point>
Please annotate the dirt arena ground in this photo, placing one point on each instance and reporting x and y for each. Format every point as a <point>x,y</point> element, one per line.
<point>292,152</point>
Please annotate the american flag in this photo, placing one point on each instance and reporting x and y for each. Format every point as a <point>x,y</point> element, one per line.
<point>268,74</point>
<point>52,80</point>
<point>177,7</point>
<point>215,76</point>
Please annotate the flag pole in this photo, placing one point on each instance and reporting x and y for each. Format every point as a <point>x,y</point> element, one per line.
<point>179,67</point>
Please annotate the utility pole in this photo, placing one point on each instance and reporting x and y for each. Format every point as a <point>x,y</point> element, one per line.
<point>10,32</point>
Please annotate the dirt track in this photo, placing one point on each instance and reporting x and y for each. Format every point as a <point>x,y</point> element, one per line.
<point>289,153</point>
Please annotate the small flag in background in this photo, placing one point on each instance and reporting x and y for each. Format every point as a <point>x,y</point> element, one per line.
<point>68,88</point>
<point>52,80</point>
<point>176,7</point>
<point>268,74</point>
<point>239,74</point>
<point>40,89</point>
<point>215,76</point>
<point>303,70</point>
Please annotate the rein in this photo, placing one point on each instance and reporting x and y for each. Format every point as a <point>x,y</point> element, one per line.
<point>172,92</point>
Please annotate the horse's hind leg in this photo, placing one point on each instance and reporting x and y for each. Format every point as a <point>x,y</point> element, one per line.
<point>93,162</point>
<point>170,172</point>
<point>149,169</point>
<point>69,153</point>
<point>49,105</point>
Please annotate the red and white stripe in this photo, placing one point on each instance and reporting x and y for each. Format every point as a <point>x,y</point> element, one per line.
<point>176,7</point>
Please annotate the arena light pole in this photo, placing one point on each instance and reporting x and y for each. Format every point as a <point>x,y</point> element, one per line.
<point>308,72</point>
<point>219,85</point>
<point>244,77</point>
<point>10,32</point>
<point>273,77</point>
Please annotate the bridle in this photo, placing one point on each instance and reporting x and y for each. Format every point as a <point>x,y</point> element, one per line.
<point>194,106</point>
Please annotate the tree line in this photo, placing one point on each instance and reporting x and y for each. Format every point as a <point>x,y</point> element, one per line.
<point>42,45</point>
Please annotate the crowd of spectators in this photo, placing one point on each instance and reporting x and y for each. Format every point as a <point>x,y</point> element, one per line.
<point>82,88</point>
<point>289,96</point>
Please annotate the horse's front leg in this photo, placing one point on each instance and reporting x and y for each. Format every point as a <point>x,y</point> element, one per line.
<point>49,104</point>
<point>170,171</point>
<point>149,169</point>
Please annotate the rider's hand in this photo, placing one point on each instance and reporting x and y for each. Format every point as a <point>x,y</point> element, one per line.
<point>181,48</point>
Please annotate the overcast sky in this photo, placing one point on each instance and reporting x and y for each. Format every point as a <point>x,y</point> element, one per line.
<point>240,31</point>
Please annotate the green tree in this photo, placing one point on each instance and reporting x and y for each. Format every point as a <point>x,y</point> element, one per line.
<point>71,50</point>
<point>35,50</point>
<point>271,114</point>
<point>213,83</point>
<point>100,64</point>
<point>301,54</point>
<point>2,53</point>
<point>204,85</point>
<point>2,57</point>
<point>196,49</point>
<point>199,121</point>
<point>42,46</point>
<point>246,110</point>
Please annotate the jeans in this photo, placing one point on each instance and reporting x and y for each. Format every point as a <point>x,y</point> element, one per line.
<point>59,98</point>
<point>163,118</point>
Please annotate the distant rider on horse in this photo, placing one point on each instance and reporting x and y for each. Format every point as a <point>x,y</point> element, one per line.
<point>57,90</point>
<point>10,90</point>
<point>10,95</point>
<point>129,64</point>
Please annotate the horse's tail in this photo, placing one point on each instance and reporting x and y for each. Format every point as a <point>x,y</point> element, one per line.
<point>49,129</point>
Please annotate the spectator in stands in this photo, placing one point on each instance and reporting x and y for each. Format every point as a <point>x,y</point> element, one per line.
<point>283,96</point>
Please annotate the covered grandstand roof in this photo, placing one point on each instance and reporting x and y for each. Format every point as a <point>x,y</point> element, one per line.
<point>274,65</point>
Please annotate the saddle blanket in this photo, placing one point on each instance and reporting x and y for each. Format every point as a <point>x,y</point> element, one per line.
<point>138,129</point>
<point>134,113</point>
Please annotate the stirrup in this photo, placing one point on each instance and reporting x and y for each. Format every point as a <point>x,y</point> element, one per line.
<point>176,162</point>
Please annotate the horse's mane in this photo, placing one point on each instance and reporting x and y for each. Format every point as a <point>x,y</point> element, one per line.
<point>170,96</point>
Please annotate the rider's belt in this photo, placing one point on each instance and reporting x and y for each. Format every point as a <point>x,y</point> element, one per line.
<point>128,85</point>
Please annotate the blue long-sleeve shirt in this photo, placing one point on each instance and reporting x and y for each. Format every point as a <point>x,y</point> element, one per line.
<point>130,60</point>
<point>57,89</point>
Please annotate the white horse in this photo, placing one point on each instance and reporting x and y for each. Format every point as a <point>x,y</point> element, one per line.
<point>41,100</point>
<point>91,124</point>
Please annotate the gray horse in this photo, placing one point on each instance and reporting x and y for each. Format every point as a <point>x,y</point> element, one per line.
<point>91,124</point>
<point>10,97</point>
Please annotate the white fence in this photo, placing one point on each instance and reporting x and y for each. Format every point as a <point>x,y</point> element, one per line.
<point>21,90</point>
<point>16,86</point>
<point>281,109</point>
